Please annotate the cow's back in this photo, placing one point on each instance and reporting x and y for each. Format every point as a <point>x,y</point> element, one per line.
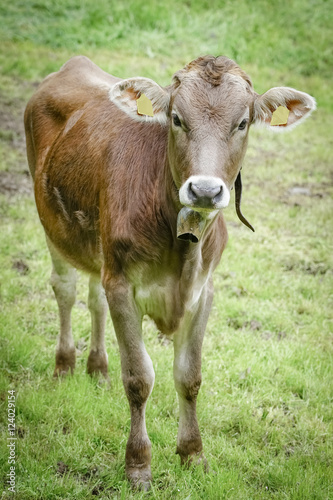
<point>67,196</point>
<point>58,100</point>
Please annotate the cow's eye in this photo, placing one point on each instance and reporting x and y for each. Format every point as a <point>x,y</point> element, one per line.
<point>176,120</point>
<point>242,124</point>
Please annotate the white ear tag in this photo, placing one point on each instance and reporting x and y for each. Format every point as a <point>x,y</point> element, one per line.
<point>144,106</point>
<point>280,116</point>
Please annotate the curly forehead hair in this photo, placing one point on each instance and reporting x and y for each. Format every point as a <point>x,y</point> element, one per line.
<point>212,69</point>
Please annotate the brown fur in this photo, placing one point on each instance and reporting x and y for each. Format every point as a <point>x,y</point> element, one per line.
<point>212,69</point>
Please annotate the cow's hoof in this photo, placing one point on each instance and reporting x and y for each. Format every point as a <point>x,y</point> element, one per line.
<point>194,459</point>
<point>140,479</point>
<point>65,363</point>
<point>97,365</point>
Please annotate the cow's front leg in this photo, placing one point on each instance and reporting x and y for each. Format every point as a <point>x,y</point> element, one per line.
<point>187,376</point>
<point>137,374</point>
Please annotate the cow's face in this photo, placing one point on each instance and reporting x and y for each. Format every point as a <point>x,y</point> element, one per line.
<point>209,109</point>
<point>209,126</point>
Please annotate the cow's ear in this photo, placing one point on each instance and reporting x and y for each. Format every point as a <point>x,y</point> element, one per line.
<point>142,99</point>
<point>282,108</point>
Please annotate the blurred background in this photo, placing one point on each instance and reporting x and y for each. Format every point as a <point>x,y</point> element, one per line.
<point>287,40</point>
<point>265,407</point>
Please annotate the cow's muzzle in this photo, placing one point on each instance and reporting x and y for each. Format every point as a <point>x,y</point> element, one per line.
<point>202,197</point>
<point>204,193</point>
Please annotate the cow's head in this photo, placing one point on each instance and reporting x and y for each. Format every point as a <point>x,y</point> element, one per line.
<point>209,109</point>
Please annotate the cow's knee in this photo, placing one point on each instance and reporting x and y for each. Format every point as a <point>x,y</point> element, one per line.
<point>187,383</point>
<point>138,387</point>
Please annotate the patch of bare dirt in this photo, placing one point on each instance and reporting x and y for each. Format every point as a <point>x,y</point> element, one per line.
<point>15,177</point>
<point>12,128</point>
<point>62,468</point>
<point>20,266</point>
<point>301,193</point>
<point>11,124</point>
<point>14,183</point>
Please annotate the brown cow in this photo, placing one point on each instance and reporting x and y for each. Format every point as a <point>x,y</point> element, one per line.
<point>110,183</point>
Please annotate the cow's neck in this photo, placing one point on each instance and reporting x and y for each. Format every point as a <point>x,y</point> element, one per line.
<point>195,254</point>
<point>170,194</point>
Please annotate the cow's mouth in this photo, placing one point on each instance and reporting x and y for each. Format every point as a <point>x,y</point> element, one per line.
<point>190,225</point>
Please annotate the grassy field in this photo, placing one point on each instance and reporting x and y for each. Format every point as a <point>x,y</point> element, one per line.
<point>266,404</point>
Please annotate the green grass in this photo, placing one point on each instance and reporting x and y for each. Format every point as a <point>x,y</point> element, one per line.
<point>265,406</point>
<point>277,42</point>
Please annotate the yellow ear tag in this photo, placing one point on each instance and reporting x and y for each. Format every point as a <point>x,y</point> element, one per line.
<point>280,116</point>
<point>144,106</point>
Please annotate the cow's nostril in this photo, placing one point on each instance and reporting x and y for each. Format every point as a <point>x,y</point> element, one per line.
<point>192,192</point>
<point>218,196</point>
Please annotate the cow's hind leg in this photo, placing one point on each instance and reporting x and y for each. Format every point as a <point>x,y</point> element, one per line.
<point>63,281</point>
<point>187,375</point>
<point>97,304</point>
